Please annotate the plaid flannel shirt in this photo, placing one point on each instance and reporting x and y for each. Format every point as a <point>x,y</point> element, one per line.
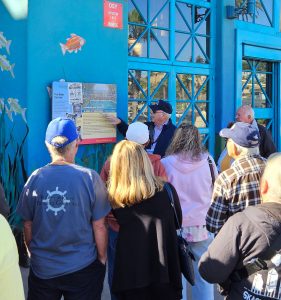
<point>234,190</point>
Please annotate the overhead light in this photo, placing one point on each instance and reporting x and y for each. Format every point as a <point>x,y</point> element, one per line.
<point>17,8</point>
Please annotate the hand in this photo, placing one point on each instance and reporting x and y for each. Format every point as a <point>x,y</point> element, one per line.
<point>112,119</point>
<point>102,260</point>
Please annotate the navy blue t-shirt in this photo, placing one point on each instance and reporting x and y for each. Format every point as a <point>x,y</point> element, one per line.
<point>62,201</point>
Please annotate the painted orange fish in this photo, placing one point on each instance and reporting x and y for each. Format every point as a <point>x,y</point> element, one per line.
<point>73,44</point>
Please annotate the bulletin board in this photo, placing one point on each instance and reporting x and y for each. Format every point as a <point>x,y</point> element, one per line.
<point>86,104</point>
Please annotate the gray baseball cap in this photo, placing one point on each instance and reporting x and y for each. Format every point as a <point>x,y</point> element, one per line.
<point>243,134</point>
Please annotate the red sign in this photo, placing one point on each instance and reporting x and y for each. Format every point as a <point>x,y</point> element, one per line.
<point>113,14</point>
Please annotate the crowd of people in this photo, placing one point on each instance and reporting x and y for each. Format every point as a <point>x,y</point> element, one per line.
<point>76,221</point>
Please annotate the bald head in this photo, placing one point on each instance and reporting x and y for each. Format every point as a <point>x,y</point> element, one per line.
<point>245,114</point>
<point>271,179</point>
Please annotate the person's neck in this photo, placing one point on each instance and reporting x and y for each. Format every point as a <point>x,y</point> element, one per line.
<point>61,161</point>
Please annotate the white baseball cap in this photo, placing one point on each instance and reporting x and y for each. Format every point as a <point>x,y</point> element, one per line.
<point>137,132</point>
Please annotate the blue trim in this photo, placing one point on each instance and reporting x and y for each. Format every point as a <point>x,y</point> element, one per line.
<point>253,46</point>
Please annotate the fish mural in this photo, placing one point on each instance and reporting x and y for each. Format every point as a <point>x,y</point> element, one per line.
<point>73,44</point>
<point>5,65</point>
<point>13,107</point>
<point>4,43</point>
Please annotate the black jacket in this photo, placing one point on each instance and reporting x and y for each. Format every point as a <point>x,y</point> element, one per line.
<point>245,236</point>
<point>267,146</point>
<point>163,140</point>
<point>146,249</point>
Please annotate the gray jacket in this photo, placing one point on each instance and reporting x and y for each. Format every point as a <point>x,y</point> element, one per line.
<point>245,236</point>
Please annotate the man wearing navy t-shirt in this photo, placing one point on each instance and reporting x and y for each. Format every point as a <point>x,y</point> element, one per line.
<point>63,207</point>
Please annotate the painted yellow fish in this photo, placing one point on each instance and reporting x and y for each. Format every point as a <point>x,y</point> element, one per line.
<point>16,108</point>
<point>6,66</point>
<point>4,43</point>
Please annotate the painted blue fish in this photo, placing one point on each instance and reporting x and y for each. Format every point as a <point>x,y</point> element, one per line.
<point>4,43</point>
<point>6,66</point>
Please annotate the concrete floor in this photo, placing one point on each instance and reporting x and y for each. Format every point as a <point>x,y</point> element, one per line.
<point>105,294</point>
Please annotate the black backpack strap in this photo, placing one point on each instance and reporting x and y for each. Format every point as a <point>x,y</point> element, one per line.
<point>171,197</point>
<point>258,264</point>
<point>211,169</point>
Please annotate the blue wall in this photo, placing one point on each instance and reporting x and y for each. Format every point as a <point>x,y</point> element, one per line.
<point>103,59</point>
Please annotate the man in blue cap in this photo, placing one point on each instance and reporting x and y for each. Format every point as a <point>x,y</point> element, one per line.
<point>63,206</point>
<point>237,187</point>
<point>161,128</point>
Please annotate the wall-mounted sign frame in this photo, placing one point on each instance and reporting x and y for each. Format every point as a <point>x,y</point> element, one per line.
<point>86,104</point>
<point>112,14</point>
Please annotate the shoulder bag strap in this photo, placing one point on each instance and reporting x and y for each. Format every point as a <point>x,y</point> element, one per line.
<point>171,197</point>
<point>211,169</point>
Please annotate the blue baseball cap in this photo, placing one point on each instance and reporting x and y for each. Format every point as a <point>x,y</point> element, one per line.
<point>243,134</point>
<point>61,127</point>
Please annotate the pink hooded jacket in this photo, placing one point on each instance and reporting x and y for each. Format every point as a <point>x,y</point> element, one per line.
<point>193,182</point>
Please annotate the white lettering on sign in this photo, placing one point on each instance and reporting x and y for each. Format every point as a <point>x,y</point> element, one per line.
<point>112,5</point>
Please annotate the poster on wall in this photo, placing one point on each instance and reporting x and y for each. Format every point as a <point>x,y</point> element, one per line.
<point>86,104</point>
<point>113,14</point>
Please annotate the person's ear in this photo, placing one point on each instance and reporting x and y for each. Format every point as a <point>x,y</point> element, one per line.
<point>263,186</point>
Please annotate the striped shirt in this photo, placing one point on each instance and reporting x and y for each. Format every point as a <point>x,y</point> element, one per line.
<point>235,189</point>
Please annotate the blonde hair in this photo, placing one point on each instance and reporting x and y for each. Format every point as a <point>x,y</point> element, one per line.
<point>131,176</point>
<point>186,142</point>
<point>272,174</point>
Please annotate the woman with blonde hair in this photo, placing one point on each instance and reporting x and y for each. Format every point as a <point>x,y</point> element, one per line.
<point>188,169</point>
<point>146,262</point>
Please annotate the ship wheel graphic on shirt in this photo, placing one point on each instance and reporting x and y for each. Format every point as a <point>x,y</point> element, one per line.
<point>56,201</point>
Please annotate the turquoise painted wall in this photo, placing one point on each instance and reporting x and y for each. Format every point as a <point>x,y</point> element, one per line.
<point>13,103</point>
<point>103,59</point>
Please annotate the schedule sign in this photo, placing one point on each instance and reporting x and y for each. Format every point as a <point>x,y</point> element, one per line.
<point>113,14</point>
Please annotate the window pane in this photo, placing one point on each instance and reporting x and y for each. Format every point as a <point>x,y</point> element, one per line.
<point>201,115</point>
<point>137,84</point>
<point>263,14</point>
<point>158,85</point>
<point>183,16</point>
<point>134,109</point>
<point>162,18</point>
<point>183,47</point>
<point>134,16</point>
<point>137,47</point>
<point>201,26</point>
<point>158,39</point>
<point>181,108</point>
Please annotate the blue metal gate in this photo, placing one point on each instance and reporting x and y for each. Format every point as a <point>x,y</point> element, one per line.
<point>171,57</point>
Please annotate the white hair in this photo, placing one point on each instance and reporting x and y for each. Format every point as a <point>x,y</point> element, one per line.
<point>272,174</point>
<point>247,151</point>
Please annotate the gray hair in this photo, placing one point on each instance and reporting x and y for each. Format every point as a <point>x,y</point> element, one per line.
<point>272,174</point>
<point>247,151</point>
<point>60,140</point>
